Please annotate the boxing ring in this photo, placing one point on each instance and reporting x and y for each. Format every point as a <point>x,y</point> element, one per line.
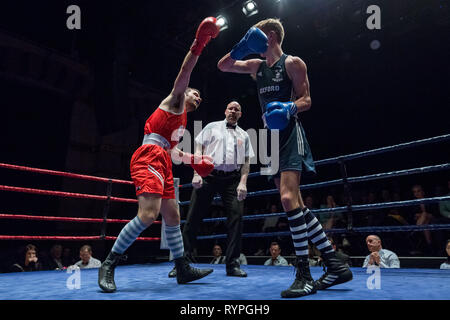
<point>150,281</point>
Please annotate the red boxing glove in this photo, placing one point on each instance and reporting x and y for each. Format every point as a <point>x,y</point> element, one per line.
<point>206,30</point>
<point>201,164</point>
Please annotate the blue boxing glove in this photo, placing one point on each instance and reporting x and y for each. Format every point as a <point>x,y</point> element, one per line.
<point>254,41</point>
<point>277,114</point>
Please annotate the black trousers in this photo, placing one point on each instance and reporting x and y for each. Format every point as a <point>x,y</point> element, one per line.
<point>201,199</point>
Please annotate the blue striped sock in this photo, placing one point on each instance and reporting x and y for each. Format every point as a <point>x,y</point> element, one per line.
<point>297,225</point>
<point>128,235</point>
<point>316,234</point>
<point>175,240</point>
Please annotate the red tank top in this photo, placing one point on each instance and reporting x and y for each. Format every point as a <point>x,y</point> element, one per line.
<point>169,125</point>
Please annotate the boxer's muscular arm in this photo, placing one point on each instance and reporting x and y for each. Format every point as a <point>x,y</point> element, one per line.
<point>297,72</point>
<point>175,101</point>
<point>227,64</point>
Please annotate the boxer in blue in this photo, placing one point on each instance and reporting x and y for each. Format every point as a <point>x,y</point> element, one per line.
<point>283,91</point>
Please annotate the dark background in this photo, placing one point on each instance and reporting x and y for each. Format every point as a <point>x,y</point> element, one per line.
<point>361,98</point>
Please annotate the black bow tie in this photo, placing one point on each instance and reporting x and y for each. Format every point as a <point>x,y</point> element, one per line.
<point>230,126</point>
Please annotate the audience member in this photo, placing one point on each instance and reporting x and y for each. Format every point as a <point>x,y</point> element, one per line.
<point>270,222</point>
<point>380,257</point>
<point>54,262</point>
<point>339,253</point>
<point>313,256</point>
<point>242,259</point>
<point>259,252</point>
<point>395,215</point>
<point>374,217</point>
<point>446,264</point>
<point>87,260</point>
<point>67,258</point>
<point>217,253</point>
<point>329,219</point>
<point>444,206</point>
<point>28,260</point>
<point>309,202</point>
<point>423,216</point>
<point>276,259</point>
<point>284,241</point>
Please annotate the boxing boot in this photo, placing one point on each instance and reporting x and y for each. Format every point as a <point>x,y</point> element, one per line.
<point>106,271</point>
<point>186,273</point>
<point>303,284</point>
<point>336,272</point>
<point>234,270</point>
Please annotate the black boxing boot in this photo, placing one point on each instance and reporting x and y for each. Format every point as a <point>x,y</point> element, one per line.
<point>233,269</point>
<point>303,284</point>
<point>190,259</point>
<point>336,272</point>
<point>173,272</point>
<point>186,273</point>
<point>106,271</point>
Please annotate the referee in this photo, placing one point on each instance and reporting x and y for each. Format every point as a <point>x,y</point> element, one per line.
<point>231,150</point>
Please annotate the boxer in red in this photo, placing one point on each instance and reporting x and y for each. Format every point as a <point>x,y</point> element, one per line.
<point>151,169</point>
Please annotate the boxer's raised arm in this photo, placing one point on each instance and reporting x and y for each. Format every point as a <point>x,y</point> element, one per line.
<point>207,30</point>
<point>228,64</point>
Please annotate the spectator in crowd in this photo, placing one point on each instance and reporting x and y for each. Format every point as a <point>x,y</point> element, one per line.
<point>446,264</point>
<point>28,260</point>
<point>217,253</point>
<point>313,256</point>
<point>259,252</point>
<point>375,217</point>
<point>54,262</point>
<point>271,222</point>
<point>329,219</point>
<point>378,256</point>
<point>87,260</point>
<point>284,241</point>
<point>242,259</point>
<point>423,216</point>
<point>395,215</point>
<point>276,259</point>
<point>444,206</point>
<point>339,253</point>
<point>309,202</point>
<point>67,258</point>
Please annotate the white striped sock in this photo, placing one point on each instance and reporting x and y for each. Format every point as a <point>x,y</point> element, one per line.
<point>128,235</point>
<point>175,240</point>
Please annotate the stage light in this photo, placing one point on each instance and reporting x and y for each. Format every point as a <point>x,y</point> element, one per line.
<point>250,8</point>
<point>222,22</point>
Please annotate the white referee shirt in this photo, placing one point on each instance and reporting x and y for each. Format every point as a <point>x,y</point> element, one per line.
<point>228,147</point>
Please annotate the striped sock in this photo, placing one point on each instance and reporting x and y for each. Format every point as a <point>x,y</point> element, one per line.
<point>128,235</point>
<point>297,225</point>
<point>316,234</point>
<point>175,241</point>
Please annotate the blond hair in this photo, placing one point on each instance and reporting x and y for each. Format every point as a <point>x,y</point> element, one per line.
<point>274,25</point>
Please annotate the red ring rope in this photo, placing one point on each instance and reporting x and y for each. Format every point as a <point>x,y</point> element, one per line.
<point>3,237</point>
<point>63,174</point>
<point>65,194</point>
<point>69,195</point>
<point>71,219</point>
